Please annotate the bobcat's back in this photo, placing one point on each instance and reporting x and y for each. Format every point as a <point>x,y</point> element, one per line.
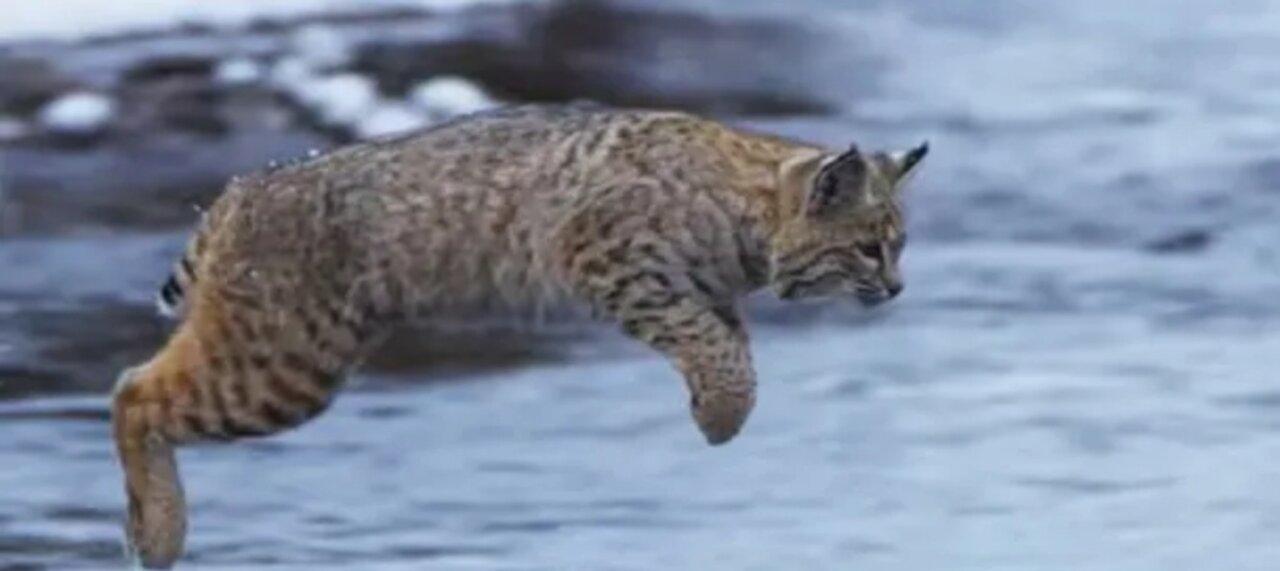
<point>459,217</point>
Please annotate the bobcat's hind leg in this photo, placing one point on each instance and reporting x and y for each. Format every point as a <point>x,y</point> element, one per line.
<point>229,371</point>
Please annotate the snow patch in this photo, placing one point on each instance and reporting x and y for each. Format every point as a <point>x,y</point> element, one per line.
<point>448,96</point>
<point>320,47</point>
<point>237,72</point>
<point>78,113</point>
<point>391,118</point>
<point>287,73</point>
<point>339,99</point>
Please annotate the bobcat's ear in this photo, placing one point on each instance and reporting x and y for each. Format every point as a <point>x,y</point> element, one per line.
<point>904,163</point>
<point>840,182</point>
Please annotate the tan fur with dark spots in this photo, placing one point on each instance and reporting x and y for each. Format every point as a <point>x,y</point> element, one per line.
<point>659,221</point>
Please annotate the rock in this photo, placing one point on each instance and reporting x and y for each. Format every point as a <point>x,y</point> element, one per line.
<point>11,129</point>
<point>168,67</point>
<point>78,114</point>
<point>31,82</point>
<point>179,105</point>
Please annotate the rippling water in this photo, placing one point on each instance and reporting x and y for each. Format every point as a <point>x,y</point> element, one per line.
<point>1079,377</point>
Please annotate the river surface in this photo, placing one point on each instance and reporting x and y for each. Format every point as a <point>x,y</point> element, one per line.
<point>1080,376</point>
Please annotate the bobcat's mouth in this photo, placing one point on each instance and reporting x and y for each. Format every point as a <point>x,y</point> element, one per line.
<point>801,289</point>
<point>873,296</point>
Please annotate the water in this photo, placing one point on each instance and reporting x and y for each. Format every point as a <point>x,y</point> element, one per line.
<point>1051,392</point>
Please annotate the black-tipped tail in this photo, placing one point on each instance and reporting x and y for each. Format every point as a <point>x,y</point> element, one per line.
<point>171,300</point>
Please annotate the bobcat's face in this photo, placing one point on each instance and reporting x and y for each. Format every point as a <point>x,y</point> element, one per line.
<point>848,236</point>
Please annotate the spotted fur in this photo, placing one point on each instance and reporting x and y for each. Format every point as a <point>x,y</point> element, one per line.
<point>659,221</point>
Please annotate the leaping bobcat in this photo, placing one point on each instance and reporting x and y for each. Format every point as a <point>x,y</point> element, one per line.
<point>657,220</point>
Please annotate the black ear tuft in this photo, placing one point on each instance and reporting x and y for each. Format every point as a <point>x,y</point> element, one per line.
<point>913,158</point>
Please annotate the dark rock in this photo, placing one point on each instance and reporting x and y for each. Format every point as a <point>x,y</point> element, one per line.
<point>27,83</point>
<point>177,104</point>
<point>166,68</point>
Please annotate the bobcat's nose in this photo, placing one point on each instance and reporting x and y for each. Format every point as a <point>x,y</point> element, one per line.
<point>873,297</point>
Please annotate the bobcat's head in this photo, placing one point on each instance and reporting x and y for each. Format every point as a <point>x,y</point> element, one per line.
<point>847,234</point>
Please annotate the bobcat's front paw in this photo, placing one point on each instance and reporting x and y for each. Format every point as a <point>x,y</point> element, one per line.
<point>720,415</point>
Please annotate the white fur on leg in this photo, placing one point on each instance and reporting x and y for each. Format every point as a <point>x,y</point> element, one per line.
<point>126,376</point>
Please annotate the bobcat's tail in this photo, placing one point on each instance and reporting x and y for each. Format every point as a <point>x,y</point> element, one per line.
<point>171,299</point>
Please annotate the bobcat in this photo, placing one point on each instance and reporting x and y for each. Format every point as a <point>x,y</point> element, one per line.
<point>657,220</point>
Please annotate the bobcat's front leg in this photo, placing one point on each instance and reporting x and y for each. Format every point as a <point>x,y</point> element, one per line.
<point>710,348</point>
<point>635,253</point>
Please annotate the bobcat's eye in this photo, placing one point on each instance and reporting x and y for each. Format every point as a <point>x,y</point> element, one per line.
<point>870,250</point>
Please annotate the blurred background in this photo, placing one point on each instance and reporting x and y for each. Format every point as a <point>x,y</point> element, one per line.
<point>1079,376</point>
